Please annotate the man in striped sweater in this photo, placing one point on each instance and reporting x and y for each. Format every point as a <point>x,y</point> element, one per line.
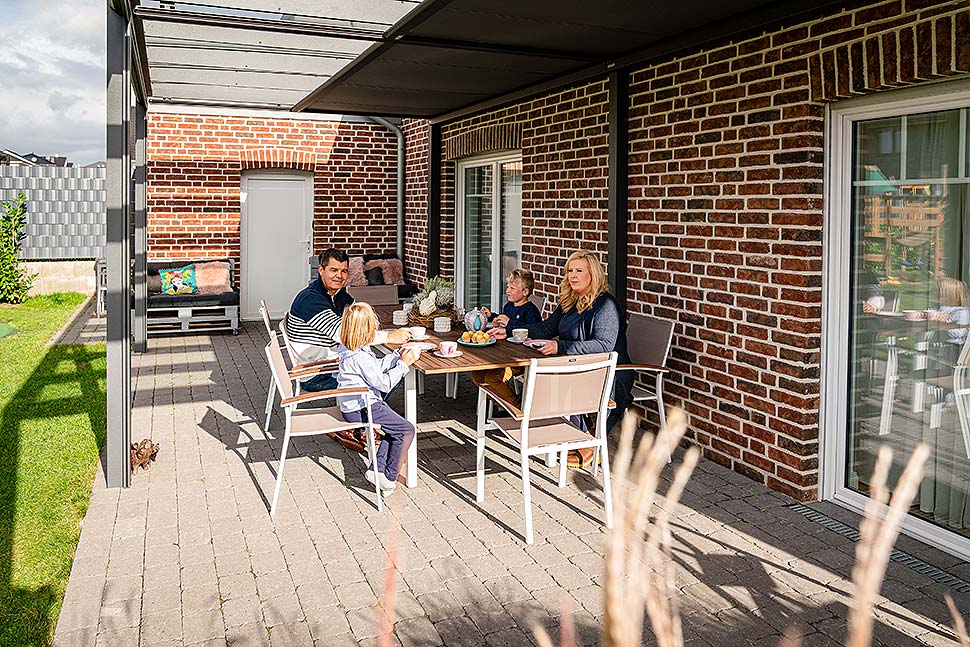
<point>313,322</point>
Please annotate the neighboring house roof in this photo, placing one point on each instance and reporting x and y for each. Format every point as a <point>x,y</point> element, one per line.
<point>10,157</point>
<point>96,165</point>
<point>39,160</point>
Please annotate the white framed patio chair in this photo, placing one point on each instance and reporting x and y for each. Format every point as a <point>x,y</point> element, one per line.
<point>312,421</point>
<point>297,373</point>
<point>648,344</point>
<point>958,385</point>
<point>555,389</point>
<point>308,369</point>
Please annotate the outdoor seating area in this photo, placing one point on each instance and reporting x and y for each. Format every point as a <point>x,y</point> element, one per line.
<point>191,555</point>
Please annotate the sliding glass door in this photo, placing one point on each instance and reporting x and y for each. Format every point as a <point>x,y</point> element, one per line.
<point>905,306</point>
<point>488,241</point>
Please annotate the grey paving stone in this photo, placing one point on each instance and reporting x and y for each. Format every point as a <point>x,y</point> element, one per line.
<point>240,585</point>
<point>202,626</point>
<point>118,637</point>
<point>290,634</point>
<point>162,627</point>
<point>242,611</point>
<point>417,632</point>
<point>248,635</point>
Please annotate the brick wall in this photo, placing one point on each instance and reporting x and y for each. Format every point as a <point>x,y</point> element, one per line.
<point>416,133</point>
<point>563,144</point>
<point>725,162</point>
<point>194,172</point>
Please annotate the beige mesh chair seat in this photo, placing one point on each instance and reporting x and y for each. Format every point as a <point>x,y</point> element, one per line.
<point>296,373</point>
<point>648,344</point>
<point>555,389</point>
<point>308,422</point>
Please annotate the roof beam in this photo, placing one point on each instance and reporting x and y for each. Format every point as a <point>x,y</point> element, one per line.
<point>257,24</point>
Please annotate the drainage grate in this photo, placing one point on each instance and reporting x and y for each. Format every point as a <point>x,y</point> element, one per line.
<point>937,575</point>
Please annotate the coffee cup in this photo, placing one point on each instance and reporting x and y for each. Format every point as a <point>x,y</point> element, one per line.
<point>520,334</point>
<point>418,332</point>
<point>448,347</point>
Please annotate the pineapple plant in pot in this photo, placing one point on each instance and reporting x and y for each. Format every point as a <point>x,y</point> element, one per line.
<point>436,299</point>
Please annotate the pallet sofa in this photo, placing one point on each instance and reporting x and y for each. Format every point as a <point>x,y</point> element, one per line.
<point>183,313</point>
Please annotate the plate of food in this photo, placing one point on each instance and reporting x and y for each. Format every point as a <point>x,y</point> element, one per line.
<point>479,338</point>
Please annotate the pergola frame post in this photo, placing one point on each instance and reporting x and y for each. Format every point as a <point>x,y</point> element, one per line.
<point>118,252</point>
<point>140,332</point>
<point>618,201</point>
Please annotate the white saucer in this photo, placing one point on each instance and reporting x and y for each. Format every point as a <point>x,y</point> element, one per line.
<point>514,341</point>
<point>420,338</point>
<point>457,353</point>
<point>423,345</point>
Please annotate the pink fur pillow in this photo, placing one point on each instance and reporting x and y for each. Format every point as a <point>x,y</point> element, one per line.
<point>212,277</point>
<point>392,268</point>
<point>356,278</point>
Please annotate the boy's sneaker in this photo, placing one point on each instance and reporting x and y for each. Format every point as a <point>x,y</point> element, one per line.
<point>387,487</point>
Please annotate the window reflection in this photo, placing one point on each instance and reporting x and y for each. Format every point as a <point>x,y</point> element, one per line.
<point>909,349</point>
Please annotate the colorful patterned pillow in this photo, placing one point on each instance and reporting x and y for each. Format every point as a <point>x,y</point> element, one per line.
<point>179,280</point>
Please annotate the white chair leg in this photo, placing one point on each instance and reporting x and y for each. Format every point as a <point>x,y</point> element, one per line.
<point>480,449</point>
<point>269,402</point>
<point>279,472</point>
<point>562,473</point>
<point>526,496</point>
<point>607,489</point>
<point>420,383</point>
<point>551,459</point>
<point>661,410</point>
<point>596,460</point>
<point>372,462</point>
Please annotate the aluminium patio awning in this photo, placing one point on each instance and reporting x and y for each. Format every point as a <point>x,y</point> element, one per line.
<point>407,58</point>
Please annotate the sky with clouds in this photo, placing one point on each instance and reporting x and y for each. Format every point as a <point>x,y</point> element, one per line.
<point>52,71</point>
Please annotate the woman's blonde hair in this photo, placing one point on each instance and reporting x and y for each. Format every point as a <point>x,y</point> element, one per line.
<point>953,292</point>
<point>567,297</point>
<point>358,325</point>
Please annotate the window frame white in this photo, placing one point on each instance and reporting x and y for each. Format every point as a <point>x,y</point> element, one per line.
<point>836,313</point>
<point>495,160</point>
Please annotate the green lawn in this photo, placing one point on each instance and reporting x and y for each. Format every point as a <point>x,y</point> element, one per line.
<point>52,403</point>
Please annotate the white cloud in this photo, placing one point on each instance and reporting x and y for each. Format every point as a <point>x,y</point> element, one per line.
<point>52,72</point>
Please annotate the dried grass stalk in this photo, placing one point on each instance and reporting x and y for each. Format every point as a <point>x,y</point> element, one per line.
<point>878,532</point>
<point>959,627</point>
<point>385,638</point>
<point>640,574</point>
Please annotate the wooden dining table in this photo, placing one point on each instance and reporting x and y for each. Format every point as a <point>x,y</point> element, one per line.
<point>501,354</point>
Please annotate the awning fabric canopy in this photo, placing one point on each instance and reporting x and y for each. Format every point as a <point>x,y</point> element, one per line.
<point>428,59</point>
<point>449,55</point>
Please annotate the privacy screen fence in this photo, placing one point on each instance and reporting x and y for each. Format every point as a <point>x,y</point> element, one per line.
<point>65,210</point>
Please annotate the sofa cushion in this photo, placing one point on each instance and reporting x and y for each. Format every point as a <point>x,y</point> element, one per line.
<point>179,280</point>
<point>355,277</point>
<point>392,268</point>
<point>375,276</point>
<point>212,277</point>
<point>193,300</point>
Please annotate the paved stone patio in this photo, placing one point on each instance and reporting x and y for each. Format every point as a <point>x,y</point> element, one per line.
<point>190,556</point>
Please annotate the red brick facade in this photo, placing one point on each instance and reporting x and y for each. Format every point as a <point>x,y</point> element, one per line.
<point>725,236</point>
<point>195,164</point>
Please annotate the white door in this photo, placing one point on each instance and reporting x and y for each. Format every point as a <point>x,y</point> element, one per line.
<point>276,228</point>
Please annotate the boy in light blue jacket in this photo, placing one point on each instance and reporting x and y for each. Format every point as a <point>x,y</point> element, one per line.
<point>359,367</point>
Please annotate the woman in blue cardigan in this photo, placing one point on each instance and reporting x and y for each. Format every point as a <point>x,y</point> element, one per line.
<point>586,321</point>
